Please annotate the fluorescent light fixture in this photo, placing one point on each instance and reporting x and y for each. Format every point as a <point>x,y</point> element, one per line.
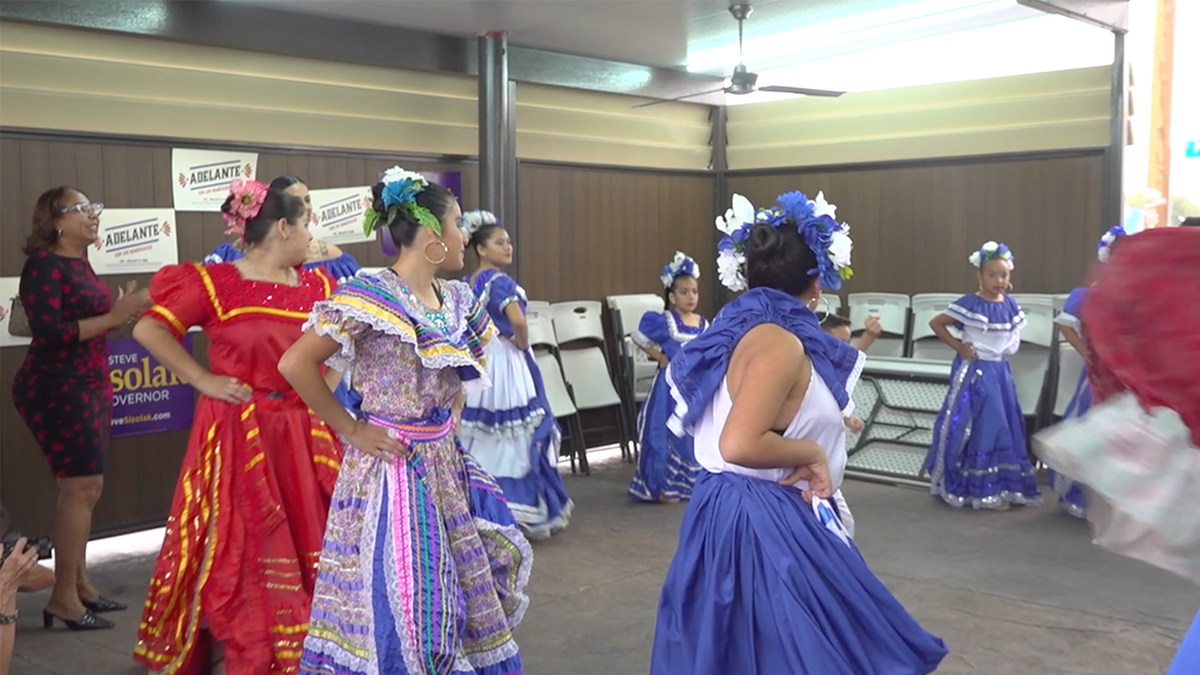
<point>890,21</point>
<point>1042,44</point>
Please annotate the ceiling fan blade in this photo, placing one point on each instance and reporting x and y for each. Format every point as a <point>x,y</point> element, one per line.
<point>802,91</point>
<point>678,98</point>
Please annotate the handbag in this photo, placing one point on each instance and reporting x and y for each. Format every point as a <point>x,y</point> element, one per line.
<point>1142,474</point>
<point>18,320</point>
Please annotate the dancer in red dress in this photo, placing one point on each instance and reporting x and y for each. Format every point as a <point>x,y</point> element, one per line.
<point>1138,447</point>
<point>238,563</point>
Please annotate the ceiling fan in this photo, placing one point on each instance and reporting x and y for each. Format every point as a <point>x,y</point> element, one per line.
<point>742,81</point>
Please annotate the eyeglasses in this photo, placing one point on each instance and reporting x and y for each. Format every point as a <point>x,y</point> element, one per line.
<point>92,209</point>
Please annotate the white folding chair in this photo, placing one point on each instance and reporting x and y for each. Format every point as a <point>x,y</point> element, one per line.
<point>586,368</point>
<point>892,310</point>
<point>632,366</point>
<point>830,301</point>
<point>1060,301</point>
<point>537,305</point>
<point>1031,364</point>
<point>541,329</point>
<point>545,354</point>
<point>1070,368</point>
<point>923,343</point>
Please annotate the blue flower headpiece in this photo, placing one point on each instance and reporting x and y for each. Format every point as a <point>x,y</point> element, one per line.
<point>471,221</point>
<point>681,264</point>
<point>1104,248</point>
<point>991,251</point>
<point>396,193</point>
<point>814,219</point>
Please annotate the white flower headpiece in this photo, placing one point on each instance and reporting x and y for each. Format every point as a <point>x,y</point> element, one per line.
<point>681,264</point>
<point>815,219</point>
<point>397,174</point>
<point>991,251</point>
<point>471,221</point>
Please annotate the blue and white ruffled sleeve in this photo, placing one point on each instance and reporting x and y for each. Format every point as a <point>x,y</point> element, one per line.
<point>652,331</point>
<point>1069,316</point>
<point>502,291</point>
<point>972,311</point>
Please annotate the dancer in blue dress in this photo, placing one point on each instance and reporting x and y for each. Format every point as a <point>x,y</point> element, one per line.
<point>1068,493</point>
<point>338,264</point>
<point>978,455</point>
<point>508,428</point>
<point>667,467</point>
<point>765,580</point>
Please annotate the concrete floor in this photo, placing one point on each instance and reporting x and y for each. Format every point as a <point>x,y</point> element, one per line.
<point>1011,593</point>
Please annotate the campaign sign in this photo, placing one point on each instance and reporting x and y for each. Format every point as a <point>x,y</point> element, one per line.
<point>337,214</point>
<point>147,398</point>
<point>201,178</point>
<point>135,241</point>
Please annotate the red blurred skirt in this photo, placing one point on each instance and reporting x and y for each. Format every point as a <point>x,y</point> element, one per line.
<point>1142,323</point>
<point>239,558</point>
<point>1138,448</point>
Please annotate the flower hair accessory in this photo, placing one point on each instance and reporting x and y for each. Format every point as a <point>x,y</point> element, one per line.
<point>680,265</point>
<point>814,219</point>
<point>471,221</point>
<point>991,251</point>
<point>247,197</point>
<point>1104,248</point>
<point>395,194</point>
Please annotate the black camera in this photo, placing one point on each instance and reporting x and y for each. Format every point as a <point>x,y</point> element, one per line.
<point>42,544</point>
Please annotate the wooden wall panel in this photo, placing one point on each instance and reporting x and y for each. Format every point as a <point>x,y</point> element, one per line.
<point>586,233</point>
<point>141,470</point>
<point>914,225</point>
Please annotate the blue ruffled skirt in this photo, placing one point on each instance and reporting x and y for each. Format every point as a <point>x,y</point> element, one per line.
<point>509,430</point>
<point>1069,494</point>
<point>978,456</point>
<point>667,467</point>
<point>1187,659</point>
<point>758,586</point>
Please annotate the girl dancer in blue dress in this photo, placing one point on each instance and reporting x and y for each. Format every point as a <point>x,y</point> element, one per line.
<point>667,466</point>
<point>1068,493</point>
<point>978,455</point>
<point>765,580</point>
<point>338,264</point>
<point>508,428</point>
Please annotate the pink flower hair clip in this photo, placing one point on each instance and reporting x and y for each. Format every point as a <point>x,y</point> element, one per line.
<point>248,197</point>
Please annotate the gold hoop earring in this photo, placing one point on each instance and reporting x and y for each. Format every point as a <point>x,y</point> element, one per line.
<point>445,252</point>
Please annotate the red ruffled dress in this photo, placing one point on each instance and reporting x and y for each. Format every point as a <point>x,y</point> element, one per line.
<point>239,559</point>
<point>1142,323</point>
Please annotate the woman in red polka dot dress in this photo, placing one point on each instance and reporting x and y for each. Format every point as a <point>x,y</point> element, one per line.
<point>62,389</point>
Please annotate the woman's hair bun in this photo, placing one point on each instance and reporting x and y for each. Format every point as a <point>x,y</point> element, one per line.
<point>763,240</point>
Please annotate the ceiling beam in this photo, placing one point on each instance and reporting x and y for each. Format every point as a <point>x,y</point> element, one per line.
<point>252,28</point>
<point>1110,15</point>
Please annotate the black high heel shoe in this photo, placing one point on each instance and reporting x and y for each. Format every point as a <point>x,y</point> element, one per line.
<point>102,604</point>
<point>88,621</point>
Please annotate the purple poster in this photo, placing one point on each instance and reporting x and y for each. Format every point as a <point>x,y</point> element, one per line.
<point>147,398</point>
<point>451,180</point>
